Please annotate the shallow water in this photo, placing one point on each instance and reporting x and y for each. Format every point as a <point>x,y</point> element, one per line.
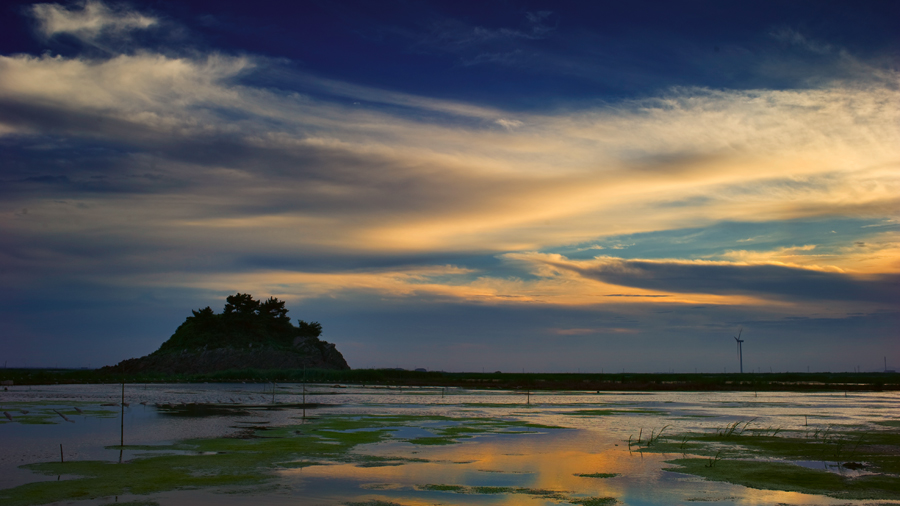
<point>596,425</point>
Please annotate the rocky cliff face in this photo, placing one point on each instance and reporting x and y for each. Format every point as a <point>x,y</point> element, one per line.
<point>307,352</point>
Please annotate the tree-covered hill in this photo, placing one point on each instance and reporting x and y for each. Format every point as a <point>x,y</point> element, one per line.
<point>244,323</point>
<point>247,334</point>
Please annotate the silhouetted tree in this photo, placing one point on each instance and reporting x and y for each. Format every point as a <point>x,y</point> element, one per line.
<point>313,329</point>
<point>204,314</point>
<point>243,322</point>
<point>241,303</point>
<point>274,309</point>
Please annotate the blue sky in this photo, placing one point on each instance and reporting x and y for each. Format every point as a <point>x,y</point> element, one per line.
<point>580,186</point>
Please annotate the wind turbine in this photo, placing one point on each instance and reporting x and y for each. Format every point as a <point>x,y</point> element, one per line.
<point>740,350</point>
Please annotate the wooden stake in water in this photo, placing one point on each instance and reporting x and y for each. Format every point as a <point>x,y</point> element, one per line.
<point>122,432</point>
<point>61,459</point>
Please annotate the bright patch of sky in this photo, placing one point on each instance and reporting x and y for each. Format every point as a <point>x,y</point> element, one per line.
<point>721,239</point>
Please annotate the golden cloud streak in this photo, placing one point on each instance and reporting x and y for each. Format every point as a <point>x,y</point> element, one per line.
<point>366,180</point>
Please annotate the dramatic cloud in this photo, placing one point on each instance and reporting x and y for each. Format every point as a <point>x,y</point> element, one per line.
<point>778,282</point>
<point>212,171</point>
<point>89,23</point>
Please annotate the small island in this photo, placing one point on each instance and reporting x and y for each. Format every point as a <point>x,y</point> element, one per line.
<point>247,334</point>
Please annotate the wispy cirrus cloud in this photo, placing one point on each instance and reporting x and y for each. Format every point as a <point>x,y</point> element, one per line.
<point>451,34</point>
<point>244,159</point>
<point>790,36</point>
<point>481,45</point>
<point>90,21</point>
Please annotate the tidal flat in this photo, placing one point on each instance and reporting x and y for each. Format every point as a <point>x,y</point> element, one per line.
<point>328,444</point>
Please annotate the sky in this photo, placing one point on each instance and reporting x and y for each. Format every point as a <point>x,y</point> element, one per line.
<point>487,186</point>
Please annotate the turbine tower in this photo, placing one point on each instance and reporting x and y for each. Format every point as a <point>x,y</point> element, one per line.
<point>740,350</point>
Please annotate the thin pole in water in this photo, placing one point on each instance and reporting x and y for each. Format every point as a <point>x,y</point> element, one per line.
<point>61,459</point>
<point>122,432</point>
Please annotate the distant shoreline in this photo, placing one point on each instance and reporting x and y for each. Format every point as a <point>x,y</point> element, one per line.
<point>650,382</point>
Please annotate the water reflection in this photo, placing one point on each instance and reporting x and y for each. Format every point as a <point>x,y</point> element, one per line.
<point>537,460</point>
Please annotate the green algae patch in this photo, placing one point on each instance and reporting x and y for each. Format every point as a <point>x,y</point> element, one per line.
<point>353,438</point>
<point>140,447</point>
<point>598,475</point>
<point>50,413</point>
<point>250,458</point>
<point>490,490</point>
<point>761,457</point>
<point>444,488</point>
<point>297,465</point>
<point>433,441</point>
<point>36,419</point>
<point>464,428</point>
<point>199,463</point>
<point>544,493</point>
<point>143,476</point>
<point>372,503</point>
<point>769,475</point>
<point>594,501</point>
<point>879,449</point>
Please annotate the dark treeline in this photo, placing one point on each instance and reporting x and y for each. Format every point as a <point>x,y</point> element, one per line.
<point>532,381</point>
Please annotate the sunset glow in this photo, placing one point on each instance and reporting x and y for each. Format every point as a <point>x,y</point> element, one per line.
<point>430,180</point>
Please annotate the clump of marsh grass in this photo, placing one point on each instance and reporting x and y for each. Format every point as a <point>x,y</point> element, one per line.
<point>728,430</point>
<point>654,438</point>
<point>658,436</point>
<point>734,429</point>
<point>713,460</point>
